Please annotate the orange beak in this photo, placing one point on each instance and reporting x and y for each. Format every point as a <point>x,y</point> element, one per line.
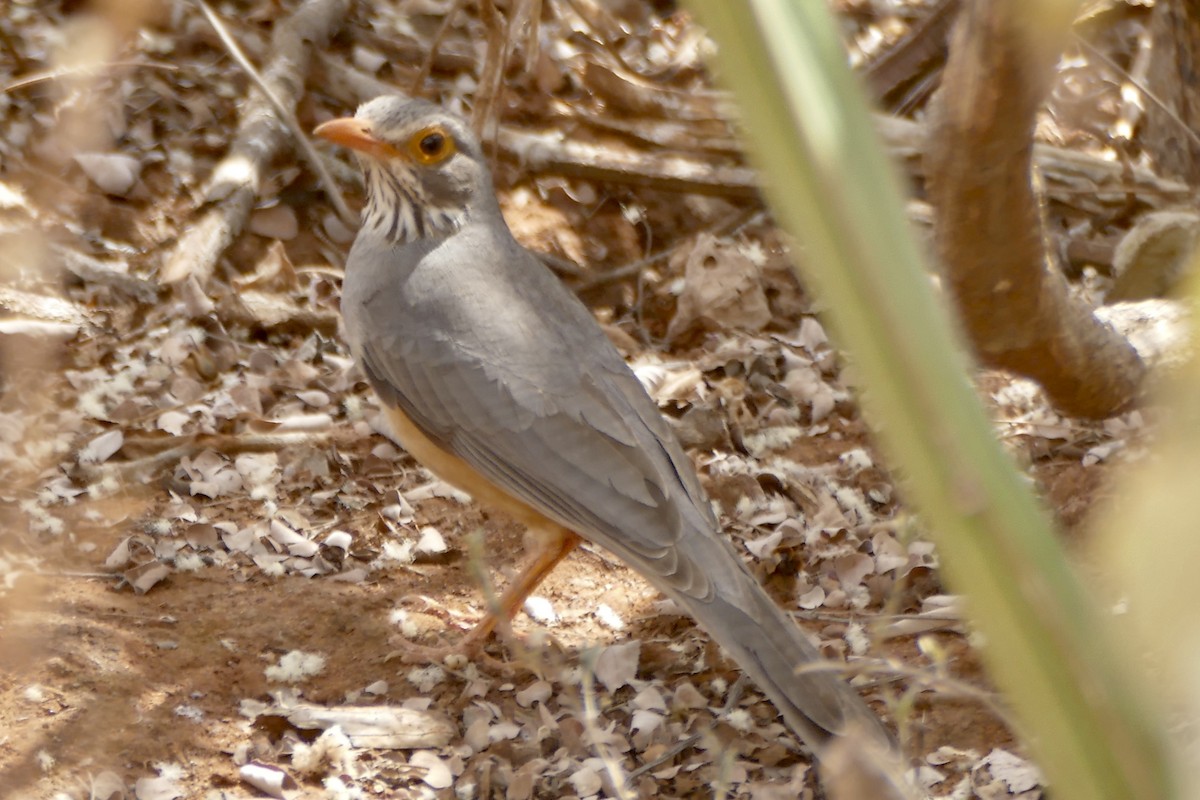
<point>352,133</point>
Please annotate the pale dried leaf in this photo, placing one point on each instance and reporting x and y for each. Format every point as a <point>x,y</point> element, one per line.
<point>113,173</point>
<point>147,576</point>
<point>617,665</point>
<point>269,780</point>
<point>538,691</point>
<point>431,541</point>
<point>814,598</point>
<point>437,773</point>
<point>276,222</point>
<point>106,786</point>
<point>103,447</point>
<point>853,568</point>
<point>160,788</point>
<point>586,781</point>
<point>540,609</point>
<point>121,555</point>
<point>722,287</point>
<point>173,422</point>
<point>1018,774</point>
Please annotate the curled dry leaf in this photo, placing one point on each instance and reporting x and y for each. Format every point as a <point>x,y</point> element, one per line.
<point>271,781</point>
<point>536,692</point>
<point>1018,774</point>
<point>811,599</point>
<point>1155,254</point>
<point>103,447</point>
<point>338,539</point>
<point>617,665</point>
<point>437,773</point>
<point>722,287</point>
<point>112,173</point>
<point>147,576</point>
<point>120,555</point>
<point>297,544</point>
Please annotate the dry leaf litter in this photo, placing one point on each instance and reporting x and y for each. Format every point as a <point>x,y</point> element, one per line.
<point>211,552</point>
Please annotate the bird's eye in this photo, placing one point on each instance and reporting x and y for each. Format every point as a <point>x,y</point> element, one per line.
<point>431,145</point>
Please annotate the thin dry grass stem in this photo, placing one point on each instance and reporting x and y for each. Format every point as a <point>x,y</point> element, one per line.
<point>310,154</point>
<point>418,83</point>
<point>724,770</point>
<point>530,11</point>
<point>493,65</point>
<point>477,563</point>
<point>591,713</point>
<point>924,679</point>
<point>1139,84</point>
<point>81,70</point>
<point>589,18</point>
<point>726,227</point>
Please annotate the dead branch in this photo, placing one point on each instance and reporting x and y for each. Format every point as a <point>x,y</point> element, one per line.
<point>553,153</point>
<point>16,302</point>
<point>1104,181</point>
<point>260,138</point>
<point>94,271</point>
<point>165,452</point>
<point>286,116</point>
<point>989,231</point>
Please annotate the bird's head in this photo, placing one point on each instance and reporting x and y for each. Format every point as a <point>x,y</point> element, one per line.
<point>424,170</point>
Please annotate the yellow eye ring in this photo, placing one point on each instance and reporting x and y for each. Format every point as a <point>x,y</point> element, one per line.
<point>431,145</point>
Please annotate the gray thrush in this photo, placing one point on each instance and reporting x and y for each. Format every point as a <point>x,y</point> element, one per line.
<point>500,381</point>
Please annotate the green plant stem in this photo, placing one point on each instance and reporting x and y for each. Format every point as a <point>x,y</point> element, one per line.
<point>828,183</point>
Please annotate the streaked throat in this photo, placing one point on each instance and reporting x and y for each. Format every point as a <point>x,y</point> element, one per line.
<point>399,210</point>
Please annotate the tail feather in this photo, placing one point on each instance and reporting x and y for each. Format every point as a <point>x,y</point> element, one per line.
<point>770,646</point>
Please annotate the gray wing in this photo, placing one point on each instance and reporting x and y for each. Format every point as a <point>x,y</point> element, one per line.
<point>568,430</point>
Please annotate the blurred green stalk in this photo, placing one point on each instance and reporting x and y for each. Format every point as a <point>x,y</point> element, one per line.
<point>825,177</point>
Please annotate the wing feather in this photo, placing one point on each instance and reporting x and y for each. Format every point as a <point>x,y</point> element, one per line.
<point>582,466</point>
<point>511,374</point>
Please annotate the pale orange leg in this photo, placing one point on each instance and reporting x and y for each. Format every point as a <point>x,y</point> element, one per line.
<point>510,602</point>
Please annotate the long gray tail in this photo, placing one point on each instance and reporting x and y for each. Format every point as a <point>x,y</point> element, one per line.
<point>769,646</point>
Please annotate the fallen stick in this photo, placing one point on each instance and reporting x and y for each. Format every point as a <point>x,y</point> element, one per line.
<point>1067,172</point>
<point>260,137</point>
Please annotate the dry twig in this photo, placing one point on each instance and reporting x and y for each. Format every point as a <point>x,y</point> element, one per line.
<point>315,162</point>
<point>260,137</point>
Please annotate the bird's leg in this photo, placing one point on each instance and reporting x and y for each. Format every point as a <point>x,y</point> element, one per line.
<point>554,545</point>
